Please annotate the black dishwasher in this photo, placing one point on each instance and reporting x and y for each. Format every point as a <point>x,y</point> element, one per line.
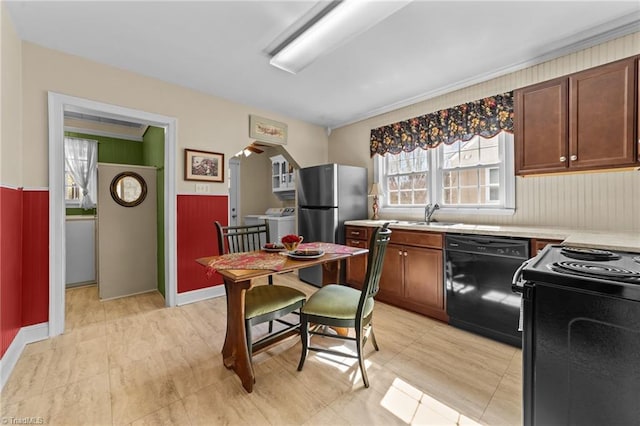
<point>478,273</point>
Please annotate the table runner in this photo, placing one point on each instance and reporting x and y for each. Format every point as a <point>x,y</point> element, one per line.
<point>272,261</point>
<point>331,248</point>
<point>247,260</point>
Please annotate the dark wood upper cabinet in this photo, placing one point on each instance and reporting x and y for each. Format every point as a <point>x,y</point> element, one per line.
<point>583,121</point>
<point>540,127</point>
<point>602,116</point>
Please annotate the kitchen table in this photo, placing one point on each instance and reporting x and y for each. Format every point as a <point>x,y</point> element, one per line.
<point>235,353</point>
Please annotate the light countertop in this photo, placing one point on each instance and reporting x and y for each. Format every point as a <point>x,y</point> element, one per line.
<point>622,241</point>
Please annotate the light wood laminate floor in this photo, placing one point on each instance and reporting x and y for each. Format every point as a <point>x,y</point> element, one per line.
<point>133,361</point>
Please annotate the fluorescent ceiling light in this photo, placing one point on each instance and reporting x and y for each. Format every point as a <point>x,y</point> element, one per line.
<point>342,23</point>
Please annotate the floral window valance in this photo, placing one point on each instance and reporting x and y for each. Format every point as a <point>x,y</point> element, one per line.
<point>485,117</point>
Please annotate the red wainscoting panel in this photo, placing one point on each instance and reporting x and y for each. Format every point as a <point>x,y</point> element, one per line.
<point>35,257</point>
<point>10,265</point>
<point>197,238</point>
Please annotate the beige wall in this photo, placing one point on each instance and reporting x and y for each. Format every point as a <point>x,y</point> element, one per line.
<point>255,178</point>
<point>599,201</point>
<point>256,193</point>
<point>11,104</point>
<point>204,122</point>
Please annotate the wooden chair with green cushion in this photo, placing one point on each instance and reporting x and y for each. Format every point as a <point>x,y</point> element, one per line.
<point>336,305</point>
<point>263,303</point>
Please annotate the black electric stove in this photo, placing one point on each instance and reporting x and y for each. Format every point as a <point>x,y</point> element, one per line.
<point>608,272</point>
<point>581,337</point>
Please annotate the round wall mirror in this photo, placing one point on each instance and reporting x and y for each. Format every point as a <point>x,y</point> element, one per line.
<point>128,189</point>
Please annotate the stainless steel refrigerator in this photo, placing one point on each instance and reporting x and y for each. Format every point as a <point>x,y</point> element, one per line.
<point>328,195</point>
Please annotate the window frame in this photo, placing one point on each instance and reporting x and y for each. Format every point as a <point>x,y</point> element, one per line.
<point>435,158</point>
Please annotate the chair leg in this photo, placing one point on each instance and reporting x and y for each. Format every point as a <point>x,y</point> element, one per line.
<point>373,337</point>
<point>270,279</point>
<point>359,342</point>
<point>304,337</point>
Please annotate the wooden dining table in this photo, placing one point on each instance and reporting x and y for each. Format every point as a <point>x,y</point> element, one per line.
<point>235,353</point>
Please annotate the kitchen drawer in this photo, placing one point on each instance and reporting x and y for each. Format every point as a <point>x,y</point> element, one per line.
<point>356,233</point>
<point>417,238</point>
<point>357,243</point>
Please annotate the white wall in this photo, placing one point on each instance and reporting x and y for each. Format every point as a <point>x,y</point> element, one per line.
<point>598,201</point>
<point>205,122</point>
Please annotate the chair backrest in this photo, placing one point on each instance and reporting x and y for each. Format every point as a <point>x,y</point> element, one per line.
<point>377,248</point>
<point>237,239</point>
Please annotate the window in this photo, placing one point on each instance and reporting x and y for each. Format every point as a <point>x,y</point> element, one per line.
<point>71,188</point>
<point>82,155</point>
<point>406,178</point>
<point>472,175</point>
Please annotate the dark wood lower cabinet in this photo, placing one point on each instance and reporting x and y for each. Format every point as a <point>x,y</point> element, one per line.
<point>423,283</point>
<point>538,244</point>
<point>356,266</point>
<point>412,276</point>
<point>391,280</point>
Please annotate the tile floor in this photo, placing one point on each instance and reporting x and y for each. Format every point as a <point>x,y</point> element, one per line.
<point>133,362</point>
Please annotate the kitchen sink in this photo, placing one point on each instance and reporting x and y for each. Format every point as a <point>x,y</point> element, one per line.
<point>423,223</point>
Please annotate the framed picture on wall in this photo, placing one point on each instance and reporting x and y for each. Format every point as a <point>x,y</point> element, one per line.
<point>267,130</point>
<point>203,165</point>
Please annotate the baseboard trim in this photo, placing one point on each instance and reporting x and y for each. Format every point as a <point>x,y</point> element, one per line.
<point>201,294</point>
<point>26,335</point>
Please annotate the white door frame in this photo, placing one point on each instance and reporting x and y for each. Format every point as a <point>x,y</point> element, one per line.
<point>234,190</point>
<point>59,103</point>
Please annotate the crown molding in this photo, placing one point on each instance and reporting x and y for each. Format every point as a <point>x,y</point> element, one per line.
<point>583,40</point>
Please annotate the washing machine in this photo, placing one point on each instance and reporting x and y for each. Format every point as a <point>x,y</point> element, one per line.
<point>282,221</point>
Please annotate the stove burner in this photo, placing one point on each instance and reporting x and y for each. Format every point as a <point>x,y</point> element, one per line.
<point>589,254</point>
<point>597,271</point>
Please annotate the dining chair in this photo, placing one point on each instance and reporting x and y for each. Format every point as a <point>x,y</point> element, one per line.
<point>263,303</point>
<point>336,305</point>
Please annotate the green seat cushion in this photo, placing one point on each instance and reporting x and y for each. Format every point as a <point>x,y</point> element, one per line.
<point>336,301</point>
<point>263,299</point>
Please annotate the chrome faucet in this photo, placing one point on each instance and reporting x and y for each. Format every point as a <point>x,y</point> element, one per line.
<point>429,210</point>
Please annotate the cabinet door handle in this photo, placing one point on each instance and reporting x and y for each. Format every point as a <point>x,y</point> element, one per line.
<point>574,157</point>
<point>405,254</point>
<point>563,159</point>
<point>399,252</point>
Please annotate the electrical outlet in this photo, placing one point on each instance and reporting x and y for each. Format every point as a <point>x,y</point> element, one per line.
<point>202,188</point>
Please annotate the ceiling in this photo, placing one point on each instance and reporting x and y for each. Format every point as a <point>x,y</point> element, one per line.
<point>220,47</point>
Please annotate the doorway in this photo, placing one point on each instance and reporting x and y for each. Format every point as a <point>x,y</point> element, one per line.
<point>58,104</point>
<point>127,237</point>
